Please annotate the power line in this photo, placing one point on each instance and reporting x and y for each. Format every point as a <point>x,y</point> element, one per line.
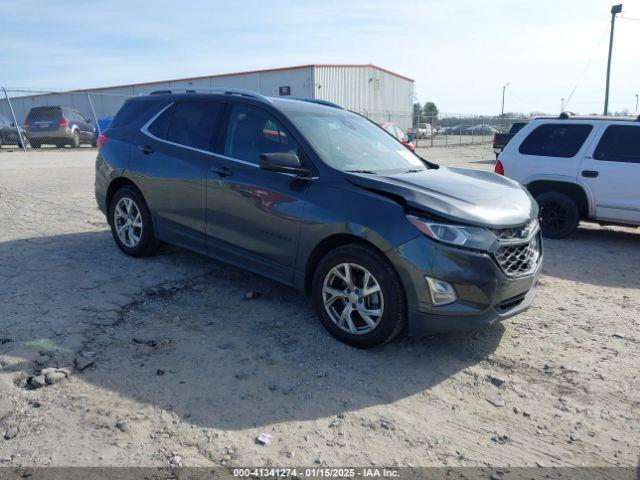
<point>593,54</point>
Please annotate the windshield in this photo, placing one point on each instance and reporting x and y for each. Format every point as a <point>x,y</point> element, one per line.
<point>351,143</point>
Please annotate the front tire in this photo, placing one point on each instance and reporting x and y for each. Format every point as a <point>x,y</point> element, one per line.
<point>358,296</point>
<point>559,215</point>
<point>131,223</point>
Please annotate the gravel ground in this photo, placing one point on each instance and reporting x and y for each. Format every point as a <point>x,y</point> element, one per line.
<point>179,359</point>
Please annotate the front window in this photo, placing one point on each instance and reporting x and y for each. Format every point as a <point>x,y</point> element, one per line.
<point>349,142</point>
<point>252,132</point>
<point>620,143</point>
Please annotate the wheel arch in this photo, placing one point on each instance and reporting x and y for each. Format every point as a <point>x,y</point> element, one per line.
<point>325,246</point>
<point>116,184</point>
<point>574,190</point>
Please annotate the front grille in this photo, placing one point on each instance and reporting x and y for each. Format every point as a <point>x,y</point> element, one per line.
<point>519,259</point>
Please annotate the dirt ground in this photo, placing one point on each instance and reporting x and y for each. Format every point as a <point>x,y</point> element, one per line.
<point>182,360</point>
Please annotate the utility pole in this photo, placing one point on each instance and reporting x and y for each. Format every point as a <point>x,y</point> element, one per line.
<point>504,88</point>
<point>614,10</point>
<point>636,103</point>
<point>562,105</point>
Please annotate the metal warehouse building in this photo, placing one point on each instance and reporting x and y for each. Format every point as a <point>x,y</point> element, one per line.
<point>368,89</point>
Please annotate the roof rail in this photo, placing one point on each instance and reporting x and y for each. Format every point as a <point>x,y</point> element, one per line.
<point>316,100</point>
<point>573,116</point>
<point>223,91</point>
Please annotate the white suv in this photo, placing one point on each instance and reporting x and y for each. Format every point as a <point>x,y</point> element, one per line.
<point>578,168</point>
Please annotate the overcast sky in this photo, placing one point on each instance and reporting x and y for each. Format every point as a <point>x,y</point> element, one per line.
<point>460,53</point>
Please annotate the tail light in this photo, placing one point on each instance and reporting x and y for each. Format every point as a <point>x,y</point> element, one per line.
<point>101,141</point>
<point>494,140</point>
<point>499,168</point>
<point>26,124</point>
<point>64,122</point>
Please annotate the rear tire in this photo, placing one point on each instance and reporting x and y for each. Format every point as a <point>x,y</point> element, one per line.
<point>75,140</point>
<point>137,238</point>
<point>559,215</point>
<point>386,297</point>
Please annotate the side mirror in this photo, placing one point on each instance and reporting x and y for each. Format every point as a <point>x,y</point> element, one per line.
<point>283,163</point>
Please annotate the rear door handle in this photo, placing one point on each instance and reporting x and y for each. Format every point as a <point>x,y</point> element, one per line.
<point>590,173</point>
<point>222,171</point>
<point>146,149</point>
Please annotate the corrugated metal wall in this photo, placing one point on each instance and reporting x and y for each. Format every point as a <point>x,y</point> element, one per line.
<point>108,100</point>
<point>368,90</point>
<point>375,93</point>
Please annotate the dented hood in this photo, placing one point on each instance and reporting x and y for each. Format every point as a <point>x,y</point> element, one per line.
<point>469,196</point>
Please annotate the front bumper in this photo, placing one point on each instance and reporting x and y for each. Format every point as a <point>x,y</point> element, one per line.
<point>485,294</point>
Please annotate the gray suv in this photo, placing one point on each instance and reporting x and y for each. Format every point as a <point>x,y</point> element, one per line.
<point>322,199</point>
<point>58,126</point>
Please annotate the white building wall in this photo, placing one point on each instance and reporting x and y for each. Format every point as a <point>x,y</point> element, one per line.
<point>368,90</point>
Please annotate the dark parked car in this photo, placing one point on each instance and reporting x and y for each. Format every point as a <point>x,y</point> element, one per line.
<point>59,126</point>
<point>322,199</point>
<point>500,140</point>
<point>9,134</point>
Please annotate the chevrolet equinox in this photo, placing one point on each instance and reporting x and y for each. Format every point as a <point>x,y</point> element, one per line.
<point>322,199</point>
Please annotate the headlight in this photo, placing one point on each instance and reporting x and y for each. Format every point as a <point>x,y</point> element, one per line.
<point>476,238</point>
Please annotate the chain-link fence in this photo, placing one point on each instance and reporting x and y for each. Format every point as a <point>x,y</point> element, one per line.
<point>446,128</point>
<point>38,118</point>
<point>35,119</point>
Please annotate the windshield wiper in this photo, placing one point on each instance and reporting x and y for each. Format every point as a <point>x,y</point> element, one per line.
<point>362,171</point>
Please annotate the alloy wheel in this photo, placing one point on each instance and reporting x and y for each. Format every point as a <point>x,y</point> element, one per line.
<point>127,220</point>
<point>353,298</point>
<point>553,215</point>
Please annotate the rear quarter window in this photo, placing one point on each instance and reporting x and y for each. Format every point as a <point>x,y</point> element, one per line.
<point>619,143</point>
<point>556,140</point>
<point>132,110</point>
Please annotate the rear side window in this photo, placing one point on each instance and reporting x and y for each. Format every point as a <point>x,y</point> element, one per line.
<point>253,132</point>
<point>619,143</point>
<point>193,124</point>
<point>556,140</point>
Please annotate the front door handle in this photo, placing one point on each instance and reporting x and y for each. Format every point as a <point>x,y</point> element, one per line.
<point>222,171</point>
<point>590,173</point>
<point>146,149</point>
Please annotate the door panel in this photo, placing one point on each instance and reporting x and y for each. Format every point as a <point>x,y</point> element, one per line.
<point>611,169</point>
<point>253,215</point>
<point>171,160</point>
